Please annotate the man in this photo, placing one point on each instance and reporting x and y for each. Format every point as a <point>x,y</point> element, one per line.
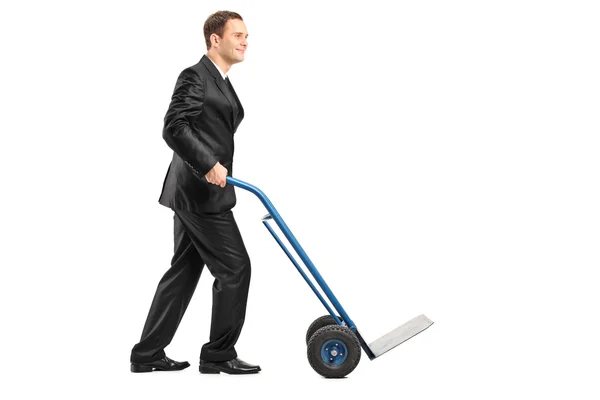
<point>202,118</point>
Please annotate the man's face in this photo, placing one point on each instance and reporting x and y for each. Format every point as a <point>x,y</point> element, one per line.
<point>234,42</point>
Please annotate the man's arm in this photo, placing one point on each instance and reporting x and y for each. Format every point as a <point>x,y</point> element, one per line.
<point>186,106</point>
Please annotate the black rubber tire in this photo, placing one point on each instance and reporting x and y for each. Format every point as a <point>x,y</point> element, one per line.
<point>342,333</point>
<point>318,324</point>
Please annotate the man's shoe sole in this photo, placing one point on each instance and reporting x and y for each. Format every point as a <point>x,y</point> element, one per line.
<point>216,370</point>
<point>147,368</point>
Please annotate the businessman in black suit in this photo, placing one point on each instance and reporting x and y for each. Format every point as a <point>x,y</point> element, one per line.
<point>200,124</point>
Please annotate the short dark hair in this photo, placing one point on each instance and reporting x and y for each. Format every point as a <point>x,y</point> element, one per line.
<point>215,23</point>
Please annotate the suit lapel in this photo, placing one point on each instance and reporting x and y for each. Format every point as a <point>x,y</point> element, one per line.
<point>226,90</point>
<point>239,109</point>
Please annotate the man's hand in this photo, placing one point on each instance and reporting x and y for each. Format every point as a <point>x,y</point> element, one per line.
<point>217,175</point>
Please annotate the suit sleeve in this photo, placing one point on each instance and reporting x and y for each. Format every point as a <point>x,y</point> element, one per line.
<point>180,123</point>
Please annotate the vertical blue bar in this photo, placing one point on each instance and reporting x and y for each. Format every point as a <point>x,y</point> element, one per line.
<point>301,253</point>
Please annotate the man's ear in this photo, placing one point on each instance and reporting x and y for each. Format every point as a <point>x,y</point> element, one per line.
<point>214,39</point>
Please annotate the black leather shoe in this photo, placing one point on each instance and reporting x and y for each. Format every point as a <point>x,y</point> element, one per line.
<point>234,367</point>
<point>164,364</point>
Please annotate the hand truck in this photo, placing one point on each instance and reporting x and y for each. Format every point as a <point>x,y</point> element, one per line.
<point>333,341</point>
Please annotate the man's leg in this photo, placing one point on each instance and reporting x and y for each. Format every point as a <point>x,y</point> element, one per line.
<point>171,299</point>
<point>220,244</point>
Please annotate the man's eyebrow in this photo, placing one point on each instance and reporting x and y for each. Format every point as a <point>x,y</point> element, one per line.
<point>235,33</point>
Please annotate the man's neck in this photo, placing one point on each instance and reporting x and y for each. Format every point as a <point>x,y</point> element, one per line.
<point>216,58</point>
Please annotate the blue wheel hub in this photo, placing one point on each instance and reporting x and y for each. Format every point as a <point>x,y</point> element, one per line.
<point>334,352</point>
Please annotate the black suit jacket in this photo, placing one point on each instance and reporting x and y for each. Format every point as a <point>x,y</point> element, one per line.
<point>202,118</point>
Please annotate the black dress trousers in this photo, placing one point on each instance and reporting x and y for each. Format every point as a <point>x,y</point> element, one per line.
<point>214,240</point>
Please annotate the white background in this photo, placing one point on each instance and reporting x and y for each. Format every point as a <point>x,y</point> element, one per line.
<point>435,157</point>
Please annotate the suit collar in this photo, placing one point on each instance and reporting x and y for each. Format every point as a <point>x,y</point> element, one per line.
<point>223,74</point>
<point>210,65</point>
